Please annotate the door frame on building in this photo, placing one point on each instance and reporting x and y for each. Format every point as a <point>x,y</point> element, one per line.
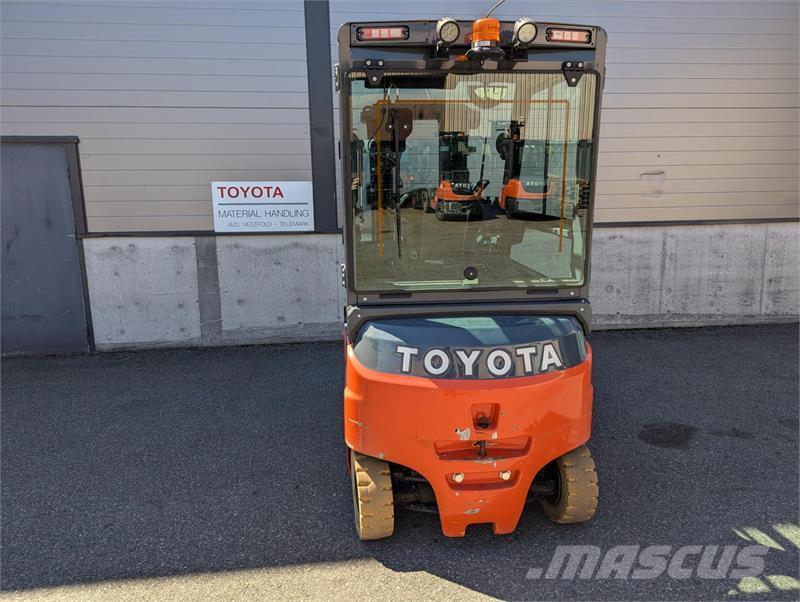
<point>74,176</point>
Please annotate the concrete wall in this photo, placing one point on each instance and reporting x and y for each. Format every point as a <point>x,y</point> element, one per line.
<point>265,289</point>
<point>694,275</point>
<point>185,291</point>
<point>143,291</point>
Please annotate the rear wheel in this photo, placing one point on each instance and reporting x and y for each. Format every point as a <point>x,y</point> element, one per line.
<point>373,502</point>
<point>575,498</point>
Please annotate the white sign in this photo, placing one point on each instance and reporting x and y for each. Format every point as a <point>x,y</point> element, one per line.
<point>263,206</point>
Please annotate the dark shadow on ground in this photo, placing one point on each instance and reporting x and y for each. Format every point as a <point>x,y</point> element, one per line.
<point>167,462</point>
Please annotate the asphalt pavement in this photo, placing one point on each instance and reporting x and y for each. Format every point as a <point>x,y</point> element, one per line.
<point>221,473</point>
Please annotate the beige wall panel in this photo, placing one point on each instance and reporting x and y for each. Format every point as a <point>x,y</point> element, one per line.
<point>166,97</point>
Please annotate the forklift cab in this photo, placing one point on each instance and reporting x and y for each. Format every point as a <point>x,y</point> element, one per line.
<point>468,375</point>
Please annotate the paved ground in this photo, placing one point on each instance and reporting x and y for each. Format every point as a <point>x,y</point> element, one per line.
<point>220,472</point>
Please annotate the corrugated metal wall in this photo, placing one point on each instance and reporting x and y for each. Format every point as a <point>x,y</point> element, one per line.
<point>700,120</point>
<point>700,115</point>
<point>166,97</point>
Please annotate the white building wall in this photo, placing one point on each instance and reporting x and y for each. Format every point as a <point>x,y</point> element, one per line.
<point>700,123</point>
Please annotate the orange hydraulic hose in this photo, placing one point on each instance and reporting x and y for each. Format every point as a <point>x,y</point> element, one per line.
<point>563,181</point>
<point>380,178</point>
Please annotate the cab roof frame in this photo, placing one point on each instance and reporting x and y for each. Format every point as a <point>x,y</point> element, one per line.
<point>416,56</point>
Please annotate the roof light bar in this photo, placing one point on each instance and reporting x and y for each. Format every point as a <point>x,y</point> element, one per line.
<point>569,36</point>
<point>399,32</point>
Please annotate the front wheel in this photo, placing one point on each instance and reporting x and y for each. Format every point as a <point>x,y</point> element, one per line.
<point>575,498</point>
<point>509,209</point>
<point>440,211</point>
<point>423,201</point>
<point>373,501</point>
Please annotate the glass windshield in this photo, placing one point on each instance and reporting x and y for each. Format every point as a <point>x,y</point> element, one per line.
<point>470,181</point>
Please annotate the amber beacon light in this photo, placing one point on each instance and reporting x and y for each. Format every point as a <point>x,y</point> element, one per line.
<point>485,38</point>
<point>485,32</point>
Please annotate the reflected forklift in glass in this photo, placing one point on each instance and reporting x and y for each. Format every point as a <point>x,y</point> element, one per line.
<point>526,185</point>
<point>456,195</point>
<point>529,189</point>
<point>468,387</point>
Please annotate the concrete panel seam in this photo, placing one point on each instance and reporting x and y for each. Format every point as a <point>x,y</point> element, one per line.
<point>763,273</point>
<point>210,304</point>
<point>663,268</point>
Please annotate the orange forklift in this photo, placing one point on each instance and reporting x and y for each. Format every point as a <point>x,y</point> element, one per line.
<point>468,388</point>
<point>456,196</point>
<point>525,182</point>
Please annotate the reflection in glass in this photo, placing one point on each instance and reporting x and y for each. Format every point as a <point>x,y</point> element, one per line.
<point>470,181</point>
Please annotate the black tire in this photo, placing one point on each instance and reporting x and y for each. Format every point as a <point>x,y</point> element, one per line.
<point>440,212</point>
<point>575,500</point>
<point>373,501</point>
<point>426,207</point>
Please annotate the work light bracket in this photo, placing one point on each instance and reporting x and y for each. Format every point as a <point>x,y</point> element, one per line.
<point>441,51</point>
<point>374,69</point>
<point>518,53</point>
<point>573,71</point>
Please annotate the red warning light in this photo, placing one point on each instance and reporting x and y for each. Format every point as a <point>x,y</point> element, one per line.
<point>368,34</point>
<point>569,36</point>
